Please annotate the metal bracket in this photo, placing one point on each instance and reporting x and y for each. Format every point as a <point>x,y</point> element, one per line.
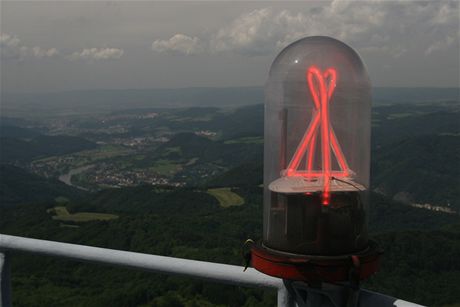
<point>5,281</point>
<point>325,295</point>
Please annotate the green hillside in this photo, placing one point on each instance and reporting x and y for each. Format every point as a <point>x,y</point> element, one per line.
<point>396,123</point>
<point>423,169</point>
<point>190,224</point>
<point>17,186</point>
<point>420,266</point>
<point>249,173</point>
<point>21,150</point>
<point>16,132</point>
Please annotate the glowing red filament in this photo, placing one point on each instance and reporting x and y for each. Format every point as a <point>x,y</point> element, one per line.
<point>321,86</point>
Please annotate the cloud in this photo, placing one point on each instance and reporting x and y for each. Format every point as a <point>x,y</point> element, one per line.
<point>440,45</point>
<point>385,27</point>
<point>12,48</point>
<point>254,32</point>
<point>97,54</point>
<point>446,14</point>
<point>43,53</point>
<point>6,40</point>
<point>180,44</point>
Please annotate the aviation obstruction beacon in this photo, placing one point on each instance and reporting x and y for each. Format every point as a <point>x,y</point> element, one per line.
<point>316,165</point>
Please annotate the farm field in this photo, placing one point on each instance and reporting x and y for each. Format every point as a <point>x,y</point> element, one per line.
<point>63,215</point>
<point>246,140</point>
<point>226,197</point>
<point>166,167</point>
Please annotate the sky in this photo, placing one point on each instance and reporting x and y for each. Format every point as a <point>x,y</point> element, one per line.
<point>72,45</point>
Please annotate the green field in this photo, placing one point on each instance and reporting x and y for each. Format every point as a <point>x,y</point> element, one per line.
<point>226,197</point>
<point>166,167</point>
<point>170,150</point>
<point>62,214</point>
<point>246,140</point>
<point>100,153</point>
<point>61,200</point>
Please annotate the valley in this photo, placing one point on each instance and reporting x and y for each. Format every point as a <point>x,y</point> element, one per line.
<point>186,181</point>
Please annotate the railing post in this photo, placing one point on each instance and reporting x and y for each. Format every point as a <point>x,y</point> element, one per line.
<point>285,299</point>
<point>5,281</point>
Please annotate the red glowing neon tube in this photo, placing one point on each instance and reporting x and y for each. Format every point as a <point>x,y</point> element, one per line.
<point>321,86</point>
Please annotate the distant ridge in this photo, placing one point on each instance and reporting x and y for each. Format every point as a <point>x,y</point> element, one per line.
<point>20,150</point>
<point>93,101</point>
<point>415,94</point>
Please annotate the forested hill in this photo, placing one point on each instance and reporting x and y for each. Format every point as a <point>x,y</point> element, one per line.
<point>423,169</point>
<point>15,149</point>
<point>421,248</point>
<point>18,186</point>
<point>11,131</point>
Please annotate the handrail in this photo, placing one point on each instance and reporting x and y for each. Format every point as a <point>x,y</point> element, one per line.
<point>215,272</point>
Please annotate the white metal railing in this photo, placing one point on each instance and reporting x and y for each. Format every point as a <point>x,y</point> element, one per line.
<point>214,272</point>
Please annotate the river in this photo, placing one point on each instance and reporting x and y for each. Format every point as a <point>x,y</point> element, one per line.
<point>67,178</point>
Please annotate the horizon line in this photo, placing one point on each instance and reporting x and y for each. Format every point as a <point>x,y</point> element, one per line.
<point>196,87</point>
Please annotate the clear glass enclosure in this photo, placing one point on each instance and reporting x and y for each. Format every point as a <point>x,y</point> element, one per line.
<point>317,149</point>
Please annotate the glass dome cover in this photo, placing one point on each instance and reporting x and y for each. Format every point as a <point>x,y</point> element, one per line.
<point>317,148</point>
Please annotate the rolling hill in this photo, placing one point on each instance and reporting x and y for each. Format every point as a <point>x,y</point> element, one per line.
<point>25,150</point>
<point>17,186</point>
<point>424,169</point>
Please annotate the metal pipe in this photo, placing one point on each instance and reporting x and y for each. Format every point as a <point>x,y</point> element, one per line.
<point>370,298</point>
<point>5,281</point>
<point>216,272</point>
<point>285,298</point>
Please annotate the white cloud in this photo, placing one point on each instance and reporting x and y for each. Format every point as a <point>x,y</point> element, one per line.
<point>97,54</point>
<point>385,27</point>
<point>180,44</point>
<point>440,45</point>
<point>12,48</point>
<point>43,53</point>
<point>252,33</point>
<point>446,14</point>
<point>6,40</point>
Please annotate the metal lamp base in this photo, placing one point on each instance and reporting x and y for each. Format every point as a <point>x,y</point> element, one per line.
<point>314,269</point>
